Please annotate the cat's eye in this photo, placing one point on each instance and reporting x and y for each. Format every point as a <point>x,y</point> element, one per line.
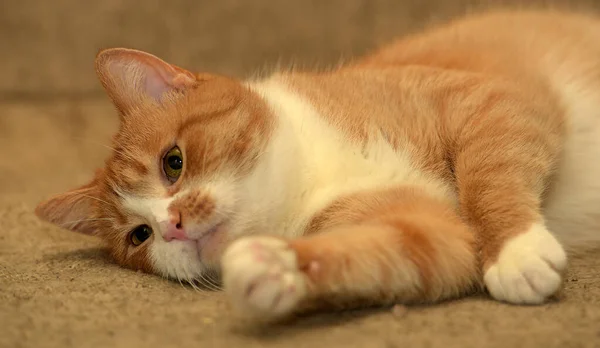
<point>173,164</point>
<point>140,234</point>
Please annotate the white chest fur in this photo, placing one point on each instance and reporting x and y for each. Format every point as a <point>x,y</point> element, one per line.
<point>309,163</point>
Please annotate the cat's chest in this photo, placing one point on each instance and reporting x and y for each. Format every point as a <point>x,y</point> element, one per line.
<point>334,166</point>
<point>327,164</point>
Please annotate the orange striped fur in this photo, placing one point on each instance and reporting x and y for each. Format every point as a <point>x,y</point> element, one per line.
<point>453,159</point>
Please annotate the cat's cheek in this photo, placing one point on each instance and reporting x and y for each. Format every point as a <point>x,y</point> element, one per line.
<point>210,248</point>
<point>137,260</point>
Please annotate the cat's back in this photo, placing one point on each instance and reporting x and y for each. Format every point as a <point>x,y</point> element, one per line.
<point>516,44</point>
<point>551,56</point>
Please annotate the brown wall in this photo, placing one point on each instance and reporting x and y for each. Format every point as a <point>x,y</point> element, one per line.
<point>47,47</point>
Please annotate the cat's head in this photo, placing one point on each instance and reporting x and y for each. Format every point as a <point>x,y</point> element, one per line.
<point>168,198</point>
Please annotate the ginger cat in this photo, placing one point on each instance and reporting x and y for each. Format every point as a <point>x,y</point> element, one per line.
<point>461,157</point>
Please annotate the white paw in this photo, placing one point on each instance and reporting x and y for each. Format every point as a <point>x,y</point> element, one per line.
<point>261,277</point>
<point>529,268</point>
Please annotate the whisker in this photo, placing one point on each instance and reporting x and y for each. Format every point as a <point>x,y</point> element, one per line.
<point>216,283</point>
<point>96,198</point>
<point>179,280</point>
<point>215,278</point>
<point>190,280</point>
<point>208,284</point>
<point>194,286</point>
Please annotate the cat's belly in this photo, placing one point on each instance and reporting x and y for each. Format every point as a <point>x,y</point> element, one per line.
<point>572,206</point>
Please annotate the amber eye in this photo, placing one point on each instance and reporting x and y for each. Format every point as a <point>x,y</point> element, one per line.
<point>140,234</point>
<point>173,164</point>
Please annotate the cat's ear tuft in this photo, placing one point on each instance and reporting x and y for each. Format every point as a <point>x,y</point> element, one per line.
<point>131,76</point>
<point>73,210</point>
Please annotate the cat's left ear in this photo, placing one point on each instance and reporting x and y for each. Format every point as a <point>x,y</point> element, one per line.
<point>131,77</point>
<point>74,210</point>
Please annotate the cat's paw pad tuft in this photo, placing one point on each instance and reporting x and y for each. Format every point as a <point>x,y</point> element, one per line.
<point>261,277</point>
<point>529,268</point>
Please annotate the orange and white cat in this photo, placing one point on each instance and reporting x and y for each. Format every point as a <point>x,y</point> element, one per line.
<point>464,156</point>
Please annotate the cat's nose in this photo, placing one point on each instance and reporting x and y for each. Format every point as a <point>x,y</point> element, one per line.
<point>173,230</point>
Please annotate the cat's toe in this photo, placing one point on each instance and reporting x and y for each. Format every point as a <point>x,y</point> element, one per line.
<point>261,277</point>
<point>529,268</point>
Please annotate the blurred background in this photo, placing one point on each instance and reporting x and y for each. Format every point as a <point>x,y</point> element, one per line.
<point>48,47</point>
<point>53,109</point>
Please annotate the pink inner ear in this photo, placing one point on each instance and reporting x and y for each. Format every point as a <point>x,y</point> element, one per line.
<point>156,85</point>
<point>131,73</point>
<point>161,78</point>
<point>72,210</point>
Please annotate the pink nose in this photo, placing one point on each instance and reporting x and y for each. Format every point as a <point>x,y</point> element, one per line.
<point>174,230</point>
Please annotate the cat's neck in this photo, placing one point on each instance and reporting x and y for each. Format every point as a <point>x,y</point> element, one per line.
<point>278,187</point>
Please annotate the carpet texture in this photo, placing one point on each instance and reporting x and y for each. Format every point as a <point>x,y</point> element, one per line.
<point>59,289</point>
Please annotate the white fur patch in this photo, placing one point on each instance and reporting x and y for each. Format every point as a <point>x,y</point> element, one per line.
<point>314,164</point>
<point>529,268</point>
<point>571,206</point>
<point>261,277</point>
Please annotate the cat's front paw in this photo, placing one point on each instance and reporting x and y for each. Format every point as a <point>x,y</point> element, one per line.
<point>529,268</point>
<point>261,277</point>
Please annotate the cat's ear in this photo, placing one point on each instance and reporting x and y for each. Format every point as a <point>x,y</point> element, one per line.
<point>73,210</point>
<point>131,76</point>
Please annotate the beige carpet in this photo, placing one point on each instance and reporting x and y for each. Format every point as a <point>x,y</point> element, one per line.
<point>59,289</point>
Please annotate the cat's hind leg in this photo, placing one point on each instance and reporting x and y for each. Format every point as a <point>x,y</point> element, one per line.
<point>367,249</point>
<point>504,159</point>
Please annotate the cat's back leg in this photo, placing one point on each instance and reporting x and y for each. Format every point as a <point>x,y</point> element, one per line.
<point>504,159</point>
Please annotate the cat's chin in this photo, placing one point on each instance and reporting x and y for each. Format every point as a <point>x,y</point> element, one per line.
<point>211,244</point>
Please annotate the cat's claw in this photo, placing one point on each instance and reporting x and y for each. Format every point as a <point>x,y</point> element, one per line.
<point>529,268</point>
<point>261,277</point>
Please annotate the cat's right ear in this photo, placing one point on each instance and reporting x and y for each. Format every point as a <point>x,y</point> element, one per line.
<point>73,210</point>
<point>131,77</point>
